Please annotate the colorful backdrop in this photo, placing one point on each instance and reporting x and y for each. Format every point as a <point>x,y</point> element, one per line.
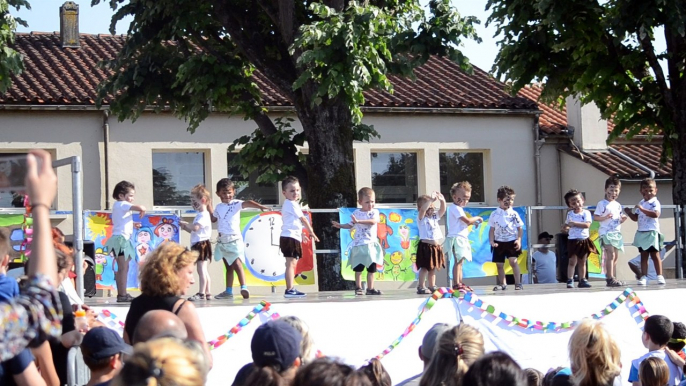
<point>13,224</point>
<point>398,235</point>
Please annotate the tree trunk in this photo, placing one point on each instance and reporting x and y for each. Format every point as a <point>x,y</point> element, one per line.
<point>679,162</point>
<point>330,169</point>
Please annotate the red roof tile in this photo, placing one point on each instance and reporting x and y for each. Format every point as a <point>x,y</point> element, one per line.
<point>69,76</point>
<point>611,164</point>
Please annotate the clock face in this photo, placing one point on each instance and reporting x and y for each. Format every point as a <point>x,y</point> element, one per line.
<point>263,256</point>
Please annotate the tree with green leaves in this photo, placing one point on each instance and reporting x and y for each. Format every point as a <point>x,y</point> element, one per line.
<point>196,57</point>
<point>10,60</point>
<point>603,52</point>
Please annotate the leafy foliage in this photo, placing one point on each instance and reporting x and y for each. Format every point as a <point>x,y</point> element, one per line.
<point>10,59</point>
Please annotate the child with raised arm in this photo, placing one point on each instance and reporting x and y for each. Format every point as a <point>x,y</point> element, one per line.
<point>230,247</point>
<point>579,244</point>
<point>429,252</point>
<point>610,215</point>
<point>456,245</point>
<point>201,231</point>
<point>648,239</point>
<point>292,232</point>
<point>505,236</point>
<point>120,245</point>
<point>366,252</point>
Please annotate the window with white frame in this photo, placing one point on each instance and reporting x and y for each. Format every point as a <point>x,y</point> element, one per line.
<point>12,174</point>
<point>249,189</point>
<point>462,166</point>
<point>174,174</point>
<point>394,177</point>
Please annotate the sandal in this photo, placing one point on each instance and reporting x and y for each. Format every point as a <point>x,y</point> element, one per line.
<point>422,291</point>
<point>197,297</point>
<point>124,299</point>
<point>500,288</point>
<point>359,291</point>
<point>519,287</point>
<point>208,297</point>
<point>433,289</point>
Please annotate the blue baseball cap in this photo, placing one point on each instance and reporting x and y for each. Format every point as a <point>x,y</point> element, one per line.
<point>276,344</point>
<point>101,343</point>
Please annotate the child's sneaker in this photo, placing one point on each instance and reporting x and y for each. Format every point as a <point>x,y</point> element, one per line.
<point>224,295</point>
<point>500,288</point>
<point>433,289</point>
<point>584,284</point>
<point>643,280</point>
<point>245,293</point>
<point>293,293</point>
<point>661,280</point>
<point>519,286</point>
<point>570,283</point>
<point>197,297</point>
<point>422,291</point>
<point>359,291</point>
<point>612,282</point>
<point>372,291</point>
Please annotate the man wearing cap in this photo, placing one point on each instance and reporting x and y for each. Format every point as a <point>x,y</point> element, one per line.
<point>102,349</point>
<point>426,351</point>
<point>545,261</point>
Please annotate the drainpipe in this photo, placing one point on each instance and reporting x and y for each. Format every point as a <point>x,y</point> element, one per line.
<point>632,161</point>
<point>538,143</point>
<point>106,150</point>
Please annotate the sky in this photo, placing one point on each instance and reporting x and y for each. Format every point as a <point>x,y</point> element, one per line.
<point>44,17</point>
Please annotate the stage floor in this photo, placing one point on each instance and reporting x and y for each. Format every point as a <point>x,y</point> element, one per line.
<point>349,296</point>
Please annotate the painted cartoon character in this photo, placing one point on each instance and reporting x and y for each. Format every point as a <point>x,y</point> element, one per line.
<point>166,229</point>
<point>382,231</point>
<point>143,248</point>
<point>404,232</point>
<point>100,263</point>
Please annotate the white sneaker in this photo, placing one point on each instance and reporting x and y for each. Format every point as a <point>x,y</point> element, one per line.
<point>661,279</point>
<point>643,280</point>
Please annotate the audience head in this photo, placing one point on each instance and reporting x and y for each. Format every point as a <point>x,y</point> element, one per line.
<point>168,271</point>
<point>307,351</point>
<point>65,260</point>
<point>324,371</point>
<point>496,368</point>
<point>678,335</point>
<point>276,354</point>
<point>428,347</point>
<point>4,248</point>
<point>653,372</point>
<point>548,379</point>
<point>102,349</point>
<point>657,329</point>
<point>534,377</point>
<point>158,322</point>
<point>457,349</point>
<point>376,373</point>
<point>163,362</point>
<point>593,354</point>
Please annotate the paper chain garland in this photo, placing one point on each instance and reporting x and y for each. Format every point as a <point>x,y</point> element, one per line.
<point>262,307</point>
<point>510,320</point>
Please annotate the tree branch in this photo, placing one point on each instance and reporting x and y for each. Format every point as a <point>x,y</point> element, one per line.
<point>657,69</point>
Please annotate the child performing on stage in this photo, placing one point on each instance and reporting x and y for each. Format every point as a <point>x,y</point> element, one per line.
<point>429,252</point>
<point>456,244</point>
<point>579,244</point>
<point>609,213</point>
<point>201,231</point>
<point>366,252</point>
<point>506,237</point>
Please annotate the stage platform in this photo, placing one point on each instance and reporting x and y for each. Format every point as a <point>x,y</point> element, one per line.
<point>357,328</point>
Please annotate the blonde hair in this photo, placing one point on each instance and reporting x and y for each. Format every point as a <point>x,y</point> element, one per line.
<point>594,355</point>
<point>163,362</point>
<point>159,275</point>
<point>365,192</point>
<point>464,185</point>
<point>307,352</point>
<point>653,372</point>
<point>422,199</point>
<point>200,191</point>
<point>456,350</point>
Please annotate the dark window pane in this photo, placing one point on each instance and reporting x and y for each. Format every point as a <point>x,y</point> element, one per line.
<point>457,167</point>
<point>250,189</point>
<point>12,174</point>
<point>394,177</point>
<point>174,175</point>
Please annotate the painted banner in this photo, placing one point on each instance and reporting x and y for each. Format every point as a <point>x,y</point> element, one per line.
<point>596,264</point>
<point>398,235</point>
<point>13,224</point>
<point>155,229</point>
<point>264,264</point>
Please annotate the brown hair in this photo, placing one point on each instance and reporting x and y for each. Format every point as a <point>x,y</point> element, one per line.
<point>365,192</point>
<point>571,193</point>
<point>647,182</point>
<point>287,181</point>
<point>464,185</point>
<point>456,350</point>
<point>421,200</point>
<point>200,191</point>
<point>653,372</point>
<point>534,377</point>
<point>159,274</point>
<point>613,180</point>
<point>324,371</point>
<point>376,373</point>
<point>505,191</point>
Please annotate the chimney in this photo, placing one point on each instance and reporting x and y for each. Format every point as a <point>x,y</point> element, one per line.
<point>590,130</point>
<point>69,25</point>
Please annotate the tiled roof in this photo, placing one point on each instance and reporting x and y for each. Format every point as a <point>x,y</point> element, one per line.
<point>611,164</point>
<point>69,76</point>
<point>553,118</point>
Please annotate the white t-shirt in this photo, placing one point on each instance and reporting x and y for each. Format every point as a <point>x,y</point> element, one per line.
<point>122,219</point>
<point>205,232</point>
<point>429,228</point>
<point>613,224</point>
<point>579,233</point>
<point>545,267</point>
<point>646,223</point>
<point>505,223</point>
<point>675,372</point>
<point>365,234</point>
<point>228,217</point>
<point>292,226</point>
<point>457,227</point>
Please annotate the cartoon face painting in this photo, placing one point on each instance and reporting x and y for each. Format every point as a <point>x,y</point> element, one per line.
<point>100,264</point>
<point>143,238</point>
<point>262,253</point>
<point>166,229</point>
